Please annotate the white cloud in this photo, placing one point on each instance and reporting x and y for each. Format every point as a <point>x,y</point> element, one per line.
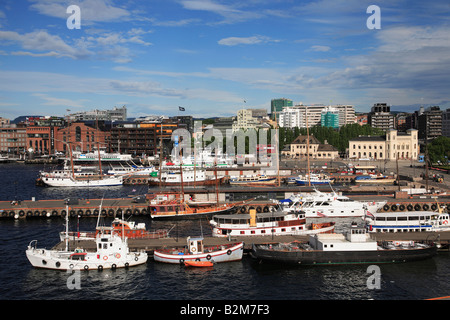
<point>234,41</point>
<point>320,48</point>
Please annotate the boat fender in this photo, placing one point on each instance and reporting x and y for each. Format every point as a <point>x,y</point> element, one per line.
<point>394,207</point>
<point>127,264</point>
<point>100,268</point>
<point>136,258</point>
<point>208,257</point>
<point>113,266</point>
<point>386,207</point>
<point>417,207</point>
<point>425,207</point>
<point>198,259</point>
<point>229,252</point>
<point>409,207</point>
<point>58,264</point>
<point>181,261</point>
<point>402,207</point>
<point>86,267</point>
<point>433,207</point>
<point>71,266</point>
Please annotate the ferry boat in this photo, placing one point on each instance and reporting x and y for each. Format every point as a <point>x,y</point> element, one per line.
<point>414,221</point>
<point>331,205</point>
<point>249,180</point>
<point>266,224</point>
<point>129,229</point>
<point>189,177</point>
<point>355,247</point>
<point>197,251</point>
<point>315,179</point>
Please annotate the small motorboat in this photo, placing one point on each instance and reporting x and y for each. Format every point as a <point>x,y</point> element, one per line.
<point>201,264</point>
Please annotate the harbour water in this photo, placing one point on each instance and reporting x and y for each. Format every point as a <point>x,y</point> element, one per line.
<point>243,280</point>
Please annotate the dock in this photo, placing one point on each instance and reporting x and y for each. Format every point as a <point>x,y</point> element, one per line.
<point>149,245</point>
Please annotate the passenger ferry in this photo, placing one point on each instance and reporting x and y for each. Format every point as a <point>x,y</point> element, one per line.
<point>415,221</point>
<point>266,224</point>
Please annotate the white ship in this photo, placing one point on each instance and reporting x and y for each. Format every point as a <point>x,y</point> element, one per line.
<point>332,205</point>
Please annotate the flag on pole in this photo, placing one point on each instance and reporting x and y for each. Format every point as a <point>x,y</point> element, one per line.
<point>181,108</point>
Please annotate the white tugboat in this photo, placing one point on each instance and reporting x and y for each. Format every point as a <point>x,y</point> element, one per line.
<point>111,252</point>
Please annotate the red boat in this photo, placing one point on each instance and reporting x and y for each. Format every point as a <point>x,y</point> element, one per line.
<point>201,264</point>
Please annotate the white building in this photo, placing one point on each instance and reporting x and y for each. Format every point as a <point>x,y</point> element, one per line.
<point>300,115</point>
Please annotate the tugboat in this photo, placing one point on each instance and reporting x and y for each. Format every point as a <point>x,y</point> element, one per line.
<point>196,251</point>
<point>354,248</point>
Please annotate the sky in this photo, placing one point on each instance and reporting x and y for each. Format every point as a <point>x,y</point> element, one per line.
<point>214,57</point>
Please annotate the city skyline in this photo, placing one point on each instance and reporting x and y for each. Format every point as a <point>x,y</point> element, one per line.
<point>215,57</point>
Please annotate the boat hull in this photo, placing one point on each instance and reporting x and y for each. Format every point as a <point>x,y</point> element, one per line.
<point>316,257</point>
<point>230,253</point>
<point>47,259</point>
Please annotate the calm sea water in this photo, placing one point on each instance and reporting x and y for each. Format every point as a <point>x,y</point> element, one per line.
<point>243,280</point>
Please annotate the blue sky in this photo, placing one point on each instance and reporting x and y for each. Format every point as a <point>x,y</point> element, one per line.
<point>209,56</point>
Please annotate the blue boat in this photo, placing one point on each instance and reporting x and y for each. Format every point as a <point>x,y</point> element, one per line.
<point>316,179</point>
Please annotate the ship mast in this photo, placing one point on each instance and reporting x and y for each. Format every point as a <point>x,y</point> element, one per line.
<point>307,148</point>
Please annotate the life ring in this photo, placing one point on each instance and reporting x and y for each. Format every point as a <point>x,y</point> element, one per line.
<point>117,255</point>
<point>105,258</point>
<point>229,252</point>
<point>218,231</point>
<point>445,222</point>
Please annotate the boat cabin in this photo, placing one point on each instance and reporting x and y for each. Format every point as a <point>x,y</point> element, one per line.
<point>356,239</point>
<point>195,245</point>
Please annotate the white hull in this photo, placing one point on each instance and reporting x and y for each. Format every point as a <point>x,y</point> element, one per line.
<point>70,182</point>
<point>60,260</point>
<point>233,253</point>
